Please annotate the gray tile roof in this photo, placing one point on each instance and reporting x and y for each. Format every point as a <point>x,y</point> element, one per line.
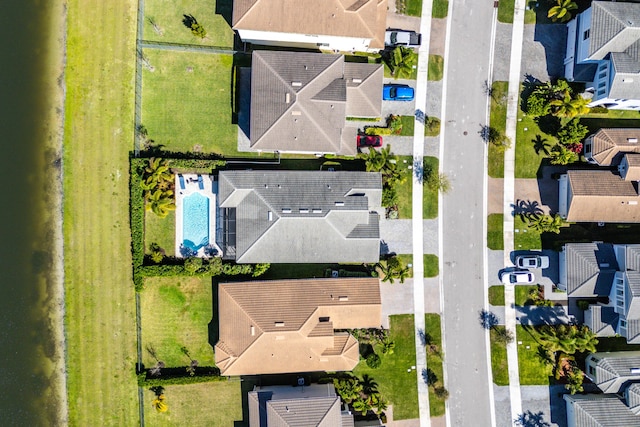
<point>632,397</point>
<point>601,320</point>
<point>303,216</point>
<point>601,195</point>
<point>600,410</point>
<point>613,370</point>
<point>299,100</point>
<point>608,145</point>
<point>587,275</point>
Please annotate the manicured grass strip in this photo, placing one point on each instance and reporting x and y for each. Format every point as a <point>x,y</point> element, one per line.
<point>495,236</point>
<point>188,405</point>
<point>431,128</point>
<point>522,294</point>
<point>431,268</point>
<point>100,321</point>
<point>161,231</point>
<point>175,313</point>
<point>430,197</point>
<point>168,15</point>
<point>496,295</point>
<point>525,237</point>
<point>387,72</point>
<point>498,121</point>
<point>434,361</point>
<point>405,188</point>
<point>406,260</point>
<point>532,146</point>
<point>440,9</point>
<point>533,371</point>
<point>187,102</point>
<point>409,7</point>
<point>394,382</point>
<point>505,12</point>
<point>499,365</point>
<point>436,68</point>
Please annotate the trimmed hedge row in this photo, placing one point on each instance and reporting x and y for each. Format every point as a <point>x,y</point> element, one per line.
<point>179,376</point>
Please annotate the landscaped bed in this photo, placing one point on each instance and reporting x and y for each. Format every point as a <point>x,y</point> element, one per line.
<point>191,404</point>
<point>187,102</point>
<point>394,382</point>
<point>175,316</point>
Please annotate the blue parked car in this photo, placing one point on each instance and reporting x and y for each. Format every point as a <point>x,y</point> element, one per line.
<point>396,92</point>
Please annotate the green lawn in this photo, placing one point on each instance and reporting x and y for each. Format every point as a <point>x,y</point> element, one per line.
<point>161,231</point>
<point>387,72</point>
<point>409,7</point>
<point>498,121</point>
<point>405,188</point>
<point>436,67</point>
<point>505,12</point>
<point>431,128</point>
<point>525,237</point>
<point>100,319</point>
<point>431,268</point>
<point>192,405</point>
<point>430,197</point>
<point>440,9</point>
<point>522,294</point>
<point>187,102</point>
<point>394,382</point>
<point>168,16</point>
<point>434,361</point>
<point>175,312</point>
<point>495,236</point>
<point>532,370</point>
<point>499,365</point>
<point>496,295</point>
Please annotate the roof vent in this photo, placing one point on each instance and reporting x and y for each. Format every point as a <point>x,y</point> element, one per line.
<point>317,211</point>
<point>627,80</point>
<point>339,203</point>
<point>343,298</point>
<point>634,370</point>
<point>270,216</point>
<point>633,202</point>
<point>296,113</point>
<point>279,324</point>
<point>286,210</point>
<point>632,140</point>
<point>296,84</point>
<point>287,97</point>
<point>304,210</point>
<point>357,80</point>
<point>253,330</point>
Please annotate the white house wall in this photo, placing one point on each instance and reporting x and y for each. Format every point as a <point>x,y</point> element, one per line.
<point>304,40</point>
<point>584,25</point>
<point>563,196</point>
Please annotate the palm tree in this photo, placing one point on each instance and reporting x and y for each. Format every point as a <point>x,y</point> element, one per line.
<point>403,59</point>
<point>348,388</point>
<point>161,203</point>
<point>566,106</point>
<point>362,405</point>
<point>561,10</point>
<point>561,155</point>
<point>378,402</point>
<point>159,403</point>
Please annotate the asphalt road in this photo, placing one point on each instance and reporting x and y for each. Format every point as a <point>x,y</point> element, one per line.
<point>467,65</point>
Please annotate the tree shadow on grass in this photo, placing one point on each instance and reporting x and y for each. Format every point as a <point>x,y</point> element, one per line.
<point>549,124</point>
<point>541,144</point>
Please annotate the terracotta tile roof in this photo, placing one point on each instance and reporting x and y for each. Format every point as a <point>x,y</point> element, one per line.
<point>269,327</point>
<point>610,144</point>
<point>300,100</point>
<point>600,195</point>
<point>343,18</point>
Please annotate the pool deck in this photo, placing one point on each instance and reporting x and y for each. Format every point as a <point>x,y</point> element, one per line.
<point>186,185</point>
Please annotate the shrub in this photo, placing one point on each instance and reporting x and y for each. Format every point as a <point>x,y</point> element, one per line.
<point>432,126</point>
<point>374,130</point>
<point>395,124</point>
<point>599,109</point>
<point>583,304</point>
<point>193,264</point>
<point>389,196</point>
<point>441,393</point>
<point>572,133</point>
<point>374,361</point>
<point>538,105</point>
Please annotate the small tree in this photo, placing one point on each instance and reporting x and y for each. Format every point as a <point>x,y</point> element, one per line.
<point>157,253</point>
<point>403,59</point>
<point>561,155</point>
<point>441,393</point>
<point>501,335</point>
<point>561,11</point>
<point>575,378</point>
<point>374,361</point>
<point>572,133</point>
<point>193,264</point>
<point>537,105</point>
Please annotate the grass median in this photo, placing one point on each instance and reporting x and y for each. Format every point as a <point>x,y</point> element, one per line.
<point>100,306</point>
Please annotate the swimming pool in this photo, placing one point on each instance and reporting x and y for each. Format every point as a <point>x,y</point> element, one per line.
<point>195,226</point>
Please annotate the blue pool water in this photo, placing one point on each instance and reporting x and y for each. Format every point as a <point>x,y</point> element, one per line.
<point>195,226</point>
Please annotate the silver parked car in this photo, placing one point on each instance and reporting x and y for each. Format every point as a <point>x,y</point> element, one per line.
<point>517,277</point>
<point>532,261</point>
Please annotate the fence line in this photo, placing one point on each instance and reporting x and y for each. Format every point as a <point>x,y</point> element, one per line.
<point>183,47</point>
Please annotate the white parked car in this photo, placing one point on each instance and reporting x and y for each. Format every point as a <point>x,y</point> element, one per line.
<point>532,261</point>
<point>517,277</point>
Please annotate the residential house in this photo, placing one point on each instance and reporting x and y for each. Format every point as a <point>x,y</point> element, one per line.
<point>284,406</point>
<point>339,25</point>
<point>299,216</point>
<point>286,326</point>
<point>609,276</point>
<point>300,101</point>
<point>610,410</point>
<point>602,51</point>
<point>598,196</point>
<point>607,147</point>
<point>617,374</point>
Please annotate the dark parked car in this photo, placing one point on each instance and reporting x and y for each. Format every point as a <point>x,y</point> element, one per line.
<point>369,141</point>
<point>396,92</point>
